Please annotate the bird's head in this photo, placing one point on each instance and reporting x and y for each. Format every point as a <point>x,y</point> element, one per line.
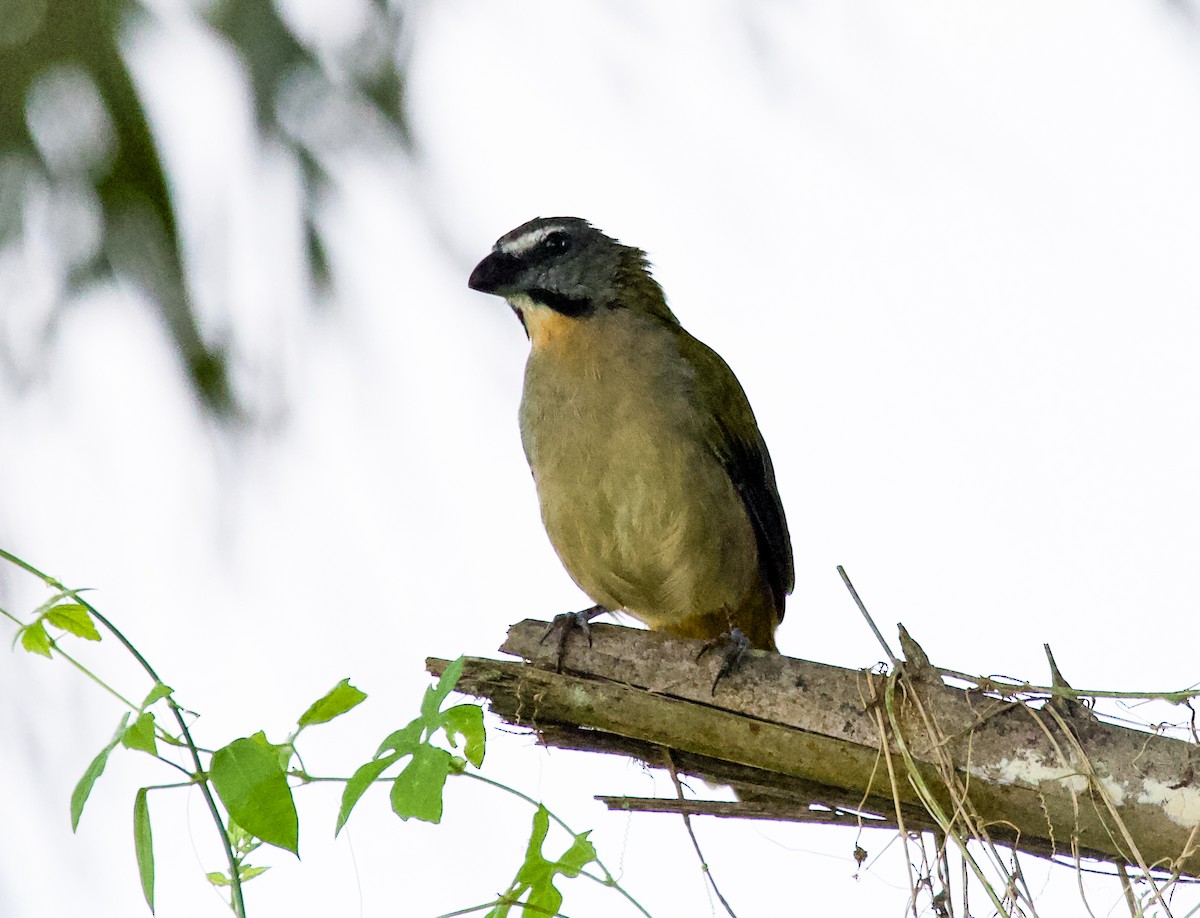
<point>566,265</point>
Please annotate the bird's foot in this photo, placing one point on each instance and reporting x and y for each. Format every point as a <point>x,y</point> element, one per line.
<point>731,647</point>
<point>564,624</point>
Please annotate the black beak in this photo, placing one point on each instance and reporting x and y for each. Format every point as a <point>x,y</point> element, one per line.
<point>495,273</point>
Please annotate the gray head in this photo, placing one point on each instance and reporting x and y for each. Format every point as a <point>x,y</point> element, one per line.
<point>568,265</point>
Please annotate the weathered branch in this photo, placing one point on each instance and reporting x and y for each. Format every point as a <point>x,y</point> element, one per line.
<point>806,742</point>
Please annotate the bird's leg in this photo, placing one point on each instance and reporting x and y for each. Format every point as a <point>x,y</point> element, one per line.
<point>565,623</point>
<point>731,647</point>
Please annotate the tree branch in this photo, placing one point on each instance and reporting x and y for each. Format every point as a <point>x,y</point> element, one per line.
<point>790,735</point>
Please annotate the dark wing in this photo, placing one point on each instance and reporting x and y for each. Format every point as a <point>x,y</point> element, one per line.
<point>732,432</point>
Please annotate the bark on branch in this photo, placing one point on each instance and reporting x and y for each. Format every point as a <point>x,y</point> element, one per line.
<point>807,742</point>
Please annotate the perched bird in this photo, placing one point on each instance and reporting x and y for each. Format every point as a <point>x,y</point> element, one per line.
<point>655,484</point>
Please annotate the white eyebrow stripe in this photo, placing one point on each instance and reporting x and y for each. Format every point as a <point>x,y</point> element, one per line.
<point>528,241</point>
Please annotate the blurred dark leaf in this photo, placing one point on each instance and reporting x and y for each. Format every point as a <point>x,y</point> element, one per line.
<point>82,38</point>
<point>71,119</point>
<point>383,81</point>
<point>268,49</point>
<point>280,66</point>
<point>318,259</point>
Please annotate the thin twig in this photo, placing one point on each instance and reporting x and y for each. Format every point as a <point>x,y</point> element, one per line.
<point>964,811</point>
<point>1097,790</point>
<point>1079,871</point>
<point>885,747</point>
<point>932,807</point>
<point>867,615</point>
<point>1007,687</point>
<point>687,821</point>
<point>1135,910</point>
<point>525,907</point>
<point>943,870</point>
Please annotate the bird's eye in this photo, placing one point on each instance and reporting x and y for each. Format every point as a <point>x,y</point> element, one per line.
<point>556,243</point>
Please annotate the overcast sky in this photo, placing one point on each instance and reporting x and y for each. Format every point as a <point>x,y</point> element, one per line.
<point>949,249</point>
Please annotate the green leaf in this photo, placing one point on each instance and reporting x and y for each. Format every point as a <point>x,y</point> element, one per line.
<point>35,639</point>
<point>140,734</point>
<point>396,745</point>
<point>238,837</point>
<point>83,789</point>
<point>217,878</point>
<point>282,751</point>
<point>362,778</point>
<point>254,788</point>
<point>403,741</point>
<point>249,873</point>
<point>337,701</point>
<point>581,853</point>
<point>75,619</point>
<point>436,694</point>
<point>544,898</point>
<point>466,720</point>
<point>143,845</point>
<point>417,791</point>
<point>157,693</point>
<point>537,874</point>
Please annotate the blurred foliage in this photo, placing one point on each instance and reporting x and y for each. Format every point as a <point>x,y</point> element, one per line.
<point>76,136</point>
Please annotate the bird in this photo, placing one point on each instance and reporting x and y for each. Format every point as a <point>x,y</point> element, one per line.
<point>655,484</point>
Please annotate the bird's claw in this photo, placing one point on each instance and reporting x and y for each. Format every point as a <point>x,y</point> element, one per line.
<point>731,647</point>
<point>562,626</point>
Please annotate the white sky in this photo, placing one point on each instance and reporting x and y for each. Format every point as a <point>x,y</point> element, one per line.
<point>950,250</point>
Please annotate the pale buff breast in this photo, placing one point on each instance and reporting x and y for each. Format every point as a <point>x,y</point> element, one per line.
<point>638,508</point>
